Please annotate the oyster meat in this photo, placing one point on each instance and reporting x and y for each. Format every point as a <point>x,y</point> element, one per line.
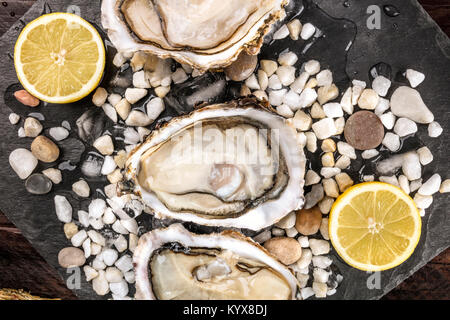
<point>202,33</point>
<point>231,165</point>
<point>173,263</point>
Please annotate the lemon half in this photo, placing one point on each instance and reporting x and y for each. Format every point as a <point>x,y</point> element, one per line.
<point>59,58</point>
<point>374,226</point>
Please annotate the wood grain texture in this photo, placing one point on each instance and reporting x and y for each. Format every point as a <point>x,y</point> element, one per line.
<point>21,267</point>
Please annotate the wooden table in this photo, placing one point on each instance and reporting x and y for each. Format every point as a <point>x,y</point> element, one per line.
<point>21,267</point>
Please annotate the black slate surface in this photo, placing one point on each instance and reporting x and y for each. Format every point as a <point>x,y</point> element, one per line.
<point>411,39</point>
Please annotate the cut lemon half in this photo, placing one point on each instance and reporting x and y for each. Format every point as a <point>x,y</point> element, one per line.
<point>59,58</point>
<point>374,226</point>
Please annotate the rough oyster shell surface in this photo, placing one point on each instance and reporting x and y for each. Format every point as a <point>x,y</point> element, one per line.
<point>222,191</point>
<point>206,34</point>
<point>173,263</point>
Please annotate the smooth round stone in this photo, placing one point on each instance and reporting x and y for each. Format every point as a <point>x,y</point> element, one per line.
<point>71,257</point>
<point>364,130</point>
<point>45,149</point>
<point>38,184</point>
<point>287,250</point>
<point>242,68</point>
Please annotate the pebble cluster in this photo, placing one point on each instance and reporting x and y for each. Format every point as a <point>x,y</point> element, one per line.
<point>104,237</point>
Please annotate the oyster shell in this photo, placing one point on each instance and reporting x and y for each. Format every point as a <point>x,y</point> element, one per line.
<point>203,33</point>
<point>173,263</point>
<point>227,165</point>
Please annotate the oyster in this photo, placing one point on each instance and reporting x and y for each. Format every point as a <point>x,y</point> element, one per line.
<point>202,33</point>
<point>231,165</point>
<point>173,263</point>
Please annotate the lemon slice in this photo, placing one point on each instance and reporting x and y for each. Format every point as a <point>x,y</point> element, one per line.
<point>59,58</point>
<point>374,226</point>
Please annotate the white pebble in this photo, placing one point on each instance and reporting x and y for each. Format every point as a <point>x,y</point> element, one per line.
<point>425,155</point>
<point>14,118</point>
<point>109,217</point>
<point>263,80</point>
<point>312,67</point>
<point>404,127</point>
<point>431,186</point>
<point>423,202</point>
<point>343,162</point>
<point>306,292</point>
<point>314,196</point>
<point>414,77</point>
<point>445,186</point>
<point>252,82</point>
<point>320,275</point>
<point>382,106</point>
<point>63,209</point>
<point>346,150</point>
<point>346,101</point>
<point>104,145</point>
<point>119,228</point>
<point>411,166</point>
<point>308,97</point>
<point>263,236</point>
<point>90,273</point>
<point>381,85</point>
<point>113,275</point>
<point>293,100</point>
<point>125,263</point>
<point>119,60</point>
<point>98,263</point>
<point>109,256</point>
<point>140,80</point>
<point>287,222</point>
<point>276,97</point>
<point>78,239</point>
<point>286,74</point>
<point>83,218</point>
<point>434,129</point>
<point>87,248</point>
<point>415,185</point>
<point>369,154</point>
<point>131,225</point>
<point>319,247</point>
<point>99,97</point>
<point>324,128</point>
<point>119,289</point>
<point>304,242</point>
<point>324,78</point>
<point>281,33</point>
<point>130,277</point>
<point>288,58</point>
<point>305,259</point>
<point>96,208</point>
<point>391,141</point>
<point>299,84</point>
<point>285,111</point>
<point>321,262</point>
<point>97,237</point>
<point>109,165</point>
<point>311,141</point>
<point>328,172</point>
<point>308,31</point>
<point>23,162</point>
<point>388,120</point>
<point>368,178</point>
<point>274,82</point>
<point>58,133</point>
<point>404,184</point>
<point>311,178</point>
<point>133,95</point>
<point>96,223</point>
<point>100,284</point>
<point>320,289</point>
<point>81,188</point>
<point>333,110</point>
<point>114,99</point>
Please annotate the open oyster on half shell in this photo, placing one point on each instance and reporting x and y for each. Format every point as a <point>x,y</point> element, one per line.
<point>235,164</point>
<point>205,34</point>
<point>173,263</point>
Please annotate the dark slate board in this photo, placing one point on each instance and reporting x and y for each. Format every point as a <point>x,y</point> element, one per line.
<point>410,40</point>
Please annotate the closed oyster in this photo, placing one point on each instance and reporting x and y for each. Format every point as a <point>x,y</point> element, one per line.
<point>231,165</point>
<point>173,263</point>
<point>202,33</point>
